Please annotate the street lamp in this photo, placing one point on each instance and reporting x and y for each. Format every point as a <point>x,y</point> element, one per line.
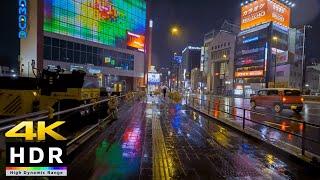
<point>174,30</point>
<point>275,39</point>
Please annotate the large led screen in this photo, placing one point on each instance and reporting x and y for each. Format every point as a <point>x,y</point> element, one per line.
<point>101,21</point>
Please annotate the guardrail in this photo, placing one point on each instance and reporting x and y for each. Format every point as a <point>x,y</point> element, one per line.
<point>210,105</point>
<point>43,115</point>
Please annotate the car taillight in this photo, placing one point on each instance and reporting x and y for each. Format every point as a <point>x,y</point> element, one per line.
<point>302,99</point>
<point>284,99</point>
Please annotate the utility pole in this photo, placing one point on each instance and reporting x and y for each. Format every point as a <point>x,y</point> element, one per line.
<point>303,55</point>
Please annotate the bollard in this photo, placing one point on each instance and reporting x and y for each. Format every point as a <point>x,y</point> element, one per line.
<point>244,119</point>
<point>303,136</point>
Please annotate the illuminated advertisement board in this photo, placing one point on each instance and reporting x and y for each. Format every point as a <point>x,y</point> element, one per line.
<point>153,78</point>
<point>136,41</point>
<point>249,73</point>
<point>263,11</point>
<point>102,21</point>
<point>23,19</point>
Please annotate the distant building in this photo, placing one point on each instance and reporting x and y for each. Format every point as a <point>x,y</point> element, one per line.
<point>313,78</point>
<point>196,79</point>
<point>219,47</point>
<point>191,57</point>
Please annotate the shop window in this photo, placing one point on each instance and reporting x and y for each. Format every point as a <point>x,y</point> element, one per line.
<point>55,54</point>
<point>47,52</point>
<point>47,41</point>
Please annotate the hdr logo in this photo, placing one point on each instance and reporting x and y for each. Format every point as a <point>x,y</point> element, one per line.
<point>34,156</point>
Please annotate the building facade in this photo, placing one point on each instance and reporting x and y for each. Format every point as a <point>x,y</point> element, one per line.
<point>220,49</point>
<point>269,52</point>
<point>97,36</point>
<point>196,79</point>
<point>313,79</point>
<point>191,59</point>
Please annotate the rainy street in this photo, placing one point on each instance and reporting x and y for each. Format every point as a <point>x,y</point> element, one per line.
<point>156,139</point>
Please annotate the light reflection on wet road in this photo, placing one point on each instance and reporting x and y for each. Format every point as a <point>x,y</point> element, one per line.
<point>279,121</point>
<point>158,140</point>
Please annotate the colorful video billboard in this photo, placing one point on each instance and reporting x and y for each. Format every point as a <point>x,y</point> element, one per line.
<point>135,41</point>
<point>101,21</point>
<point>263,11</point>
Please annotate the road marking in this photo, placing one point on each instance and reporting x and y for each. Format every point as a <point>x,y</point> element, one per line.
<point>161,162</point>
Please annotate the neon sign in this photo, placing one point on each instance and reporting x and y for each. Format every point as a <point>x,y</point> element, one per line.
<point>249,73</point>
<point>249,40</point>
<point>22,19</point>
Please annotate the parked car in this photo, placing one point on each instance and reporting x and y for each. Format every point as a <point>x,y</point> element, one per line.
<point>278,99</point>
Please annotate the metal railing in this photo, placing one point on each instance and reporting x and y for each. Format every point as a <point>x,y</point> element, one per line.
<point>210,105</point>
<point>43,115</point>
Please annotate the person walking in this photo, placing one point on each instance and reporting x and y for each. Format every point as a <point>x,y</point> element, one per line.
<point>164,91</point>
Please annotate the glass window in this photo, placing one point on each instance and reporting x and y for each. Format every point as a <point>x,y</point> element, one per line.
<point>76,58</point>
<point>94,59</point>
<point>47,52</point>
<point>83,48</point>
<point>89,58</point>
<point>47,40</point>
<point>272,92</point>
<point>70,45</point>
<point>94,50</point>
<point>76,46</point>
<point>89,49</point>
<point>63,55</point>
<point>55,42</point>
<point>292,93</point>
<point>262,93</point>
<point>55,54</point>
<point>63,44</point>
<point>70,55</point>
<point>83,58</point>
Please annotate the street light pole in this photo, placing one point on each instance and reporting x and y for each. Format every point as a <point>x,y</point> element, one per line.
<point>175,31</point>
<point>275,61</point>
<point>303,55</point>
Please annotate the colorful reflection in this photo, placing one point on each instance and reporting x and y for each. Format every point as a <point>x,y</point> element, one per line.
<point>131,142</point>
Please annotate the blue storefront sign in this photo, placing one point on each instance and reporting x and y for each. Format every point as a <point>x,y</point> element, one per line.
<point>22,19</point>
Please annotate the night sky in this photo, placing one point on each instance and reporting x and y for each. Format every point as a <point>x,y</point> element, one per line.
<point>195,19</point>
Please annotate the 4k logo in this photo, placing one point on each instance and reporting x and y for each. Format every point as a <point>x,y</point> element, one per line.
<point>40,134</point>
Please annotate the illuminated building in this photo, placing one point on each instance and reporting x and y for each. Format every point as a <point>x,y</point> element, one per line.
<point>191,58</point>
<point>99,36</point>
<point>195,79</point>
<point>266,53</point>
<point>313,79</point>
<point>219,52</point>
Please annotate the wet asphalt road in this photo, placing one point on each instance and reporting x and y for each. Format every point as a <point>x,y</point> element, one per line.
<point>159,140</point>
<point>285,121</point>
